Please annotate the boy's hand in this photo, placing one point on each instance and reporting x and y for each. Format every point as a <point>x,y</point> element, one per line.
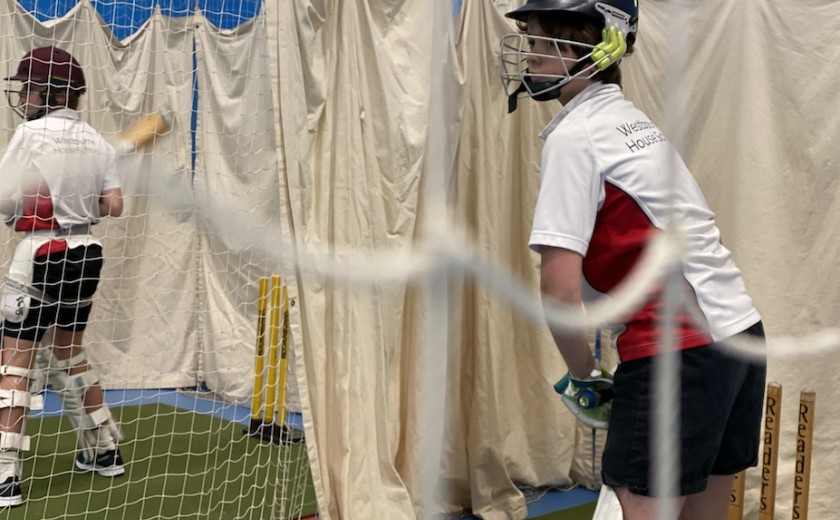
<point>590,399</point>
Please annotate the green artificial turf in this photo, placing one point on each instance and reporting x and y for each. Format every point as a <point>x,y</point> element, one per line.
<point>179,464</point>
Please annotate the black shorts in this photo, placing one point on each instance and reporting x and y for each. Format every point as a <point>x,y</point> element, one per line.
<point>70,276</point>
<point>720,419</point>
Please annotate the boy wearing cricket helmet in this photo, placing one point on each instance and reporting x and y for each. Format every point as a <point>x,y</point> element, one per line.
<point>610,181</point>
<point>58,179</point>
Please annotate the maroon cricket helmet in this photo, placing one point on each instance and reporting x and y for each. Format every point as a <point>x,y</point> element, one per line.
<point>50,66</point>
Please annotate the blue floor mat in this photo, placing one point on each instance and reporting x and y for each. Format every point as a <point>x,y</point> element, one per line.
<point>196,401</point>
<point>556,500</point>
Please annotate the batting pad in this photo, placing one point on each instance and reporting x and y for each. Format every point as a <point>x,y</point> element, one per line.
<point>586,463</point>
<point>589,442</point>
<point>608,507</point>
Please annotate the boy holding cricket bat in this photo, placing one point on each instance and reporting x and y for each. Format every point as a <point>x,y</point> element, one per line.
<point>605,191</point>
<point>57,179</point>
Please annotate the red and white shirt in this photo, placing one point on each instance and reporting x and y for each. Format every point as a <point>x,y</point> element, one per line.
<point>55,169</point>
<point>609,181</point>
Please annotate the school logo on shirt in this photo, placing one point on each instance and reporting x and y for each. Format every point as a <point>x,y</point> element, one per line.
<point>74,145</point>
<point>642,133</point>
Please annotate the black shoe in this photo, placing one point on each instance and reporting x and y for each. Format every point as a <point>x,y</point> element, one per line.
<point>10,495</point>
<point>291,436</point>
<point>273,432</point>
<point>108,464</point>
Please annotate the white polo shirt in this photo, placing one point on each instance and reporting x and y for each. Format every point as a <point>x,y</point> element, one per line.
<point>57,166</point>
<point>605,190</point>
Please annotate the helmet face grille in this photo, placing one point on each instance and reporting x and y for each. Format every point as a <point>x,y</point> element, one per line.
<point>515,49</point>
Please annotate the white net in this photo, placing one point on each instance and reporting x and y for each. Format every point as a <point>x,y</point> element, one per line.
<point>394,387</point>
<point>174,319</point>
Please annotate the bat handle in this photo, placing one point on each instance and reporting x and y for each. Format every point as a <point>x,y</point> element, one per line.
<point>125,146</point>
<point>598,348</point>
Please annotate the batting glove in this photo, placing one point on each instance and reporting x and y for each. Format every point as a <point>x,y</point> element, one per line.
<point>590,399</point>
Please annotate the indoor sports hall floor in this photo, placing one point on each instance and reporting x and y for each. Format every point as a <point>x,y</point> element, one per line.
<point>574,504</point>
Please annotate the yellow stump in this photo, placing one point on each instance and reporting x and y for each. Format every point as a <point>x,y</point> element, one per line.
<point>273,333</point>
<point>736,497</point>
<point>804,441</point>
<point>770,455</point>
<point>284,362</point>
<point>256,400</point>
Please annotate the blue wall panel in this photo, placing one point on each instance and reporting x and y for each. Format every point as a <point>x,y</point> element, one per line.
<point>125,17</point>
<point>122,17</point>
<point>227,14</point>
<point>44,10</point>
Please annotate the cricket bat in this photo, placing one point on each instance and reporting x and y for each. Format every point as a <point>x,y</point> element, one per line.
<point>143,131</point>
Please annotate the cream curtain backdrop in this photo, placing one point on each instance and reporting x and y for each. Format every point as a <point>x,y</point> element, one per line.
<point>756,138</point>
<point>317,120</point>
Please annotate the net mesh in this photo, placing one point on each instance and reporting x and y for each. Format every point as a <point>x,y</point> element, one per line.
<point>177,305</point>
<point>178,380</point>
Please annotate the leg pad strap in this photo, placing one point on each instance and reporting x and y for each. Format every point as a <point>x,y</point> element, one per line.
<point>14,398</point>
<point>67,364</point>
<point>11,370</point>
<point>95,419</point>
<point>14,441</point>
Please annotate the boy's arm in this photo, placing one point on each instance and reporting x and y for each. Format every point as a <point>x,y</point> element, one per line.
<point>560,280</point>
<point>111,203</point>
<point>11,168</point>
<point>8,204</point>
